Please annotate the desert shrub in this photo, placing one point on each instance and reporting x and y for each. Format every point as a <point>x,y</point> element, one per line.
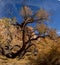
<point>52,58</point>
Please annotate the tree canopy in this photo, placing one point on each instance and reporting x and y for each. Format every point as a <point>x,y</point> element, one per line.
<point>29,34</point>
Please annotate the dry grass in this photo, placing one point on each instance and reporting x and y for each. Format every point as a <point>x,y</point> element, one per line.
<point>48,49</point>
<point>52,58</point>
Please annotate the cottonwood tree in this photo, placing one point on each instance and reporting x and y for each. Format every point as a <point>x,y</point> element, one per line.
<point>29,17</point>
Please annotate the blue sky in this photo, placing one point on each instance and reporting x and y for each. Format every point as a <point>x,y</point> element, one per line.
<point>13,6</point>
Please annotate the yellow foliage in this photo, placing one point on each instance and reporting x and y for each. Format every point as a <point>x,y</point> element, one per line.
<point>42,28</point>
<point>42,14</point>
<point>5,21</point>
<point>26,11</point>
